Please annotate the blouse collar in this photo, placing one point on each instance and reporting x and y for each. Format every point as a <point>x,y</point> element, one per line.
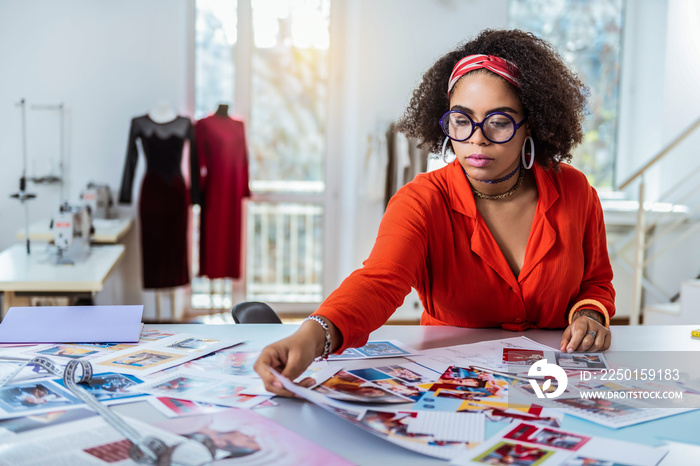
<point>462,198</point>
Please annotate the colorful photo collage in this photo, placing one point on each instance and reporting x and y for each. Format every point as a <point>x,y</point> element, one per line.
<point>472,390</point>
<point>397,383</point>
<point>393,427</point>
<point>463,389</point>
<point>531,445</point>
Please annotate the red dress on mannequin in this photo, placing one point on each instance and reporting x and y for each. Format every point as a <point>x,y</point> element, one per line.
<point>224,160</point>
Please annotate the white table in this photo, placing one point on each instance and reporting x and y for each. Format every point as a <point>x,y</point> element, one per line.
<point>107,231</point>
<point>22,274</point>
<point>363,448</point>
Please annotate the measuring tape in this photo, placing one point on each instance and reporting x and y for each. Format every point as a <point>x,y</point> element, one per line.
<point>144,450</point>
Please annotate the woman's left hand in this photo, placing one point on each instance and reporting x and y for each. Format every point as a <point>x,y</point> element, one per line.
<point>585,334</point>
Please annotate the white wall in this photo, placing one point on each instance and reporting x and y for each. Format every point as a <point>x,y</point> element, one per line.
<point>108,62</point>
<point>681,93</point>
<point>659,100</point>
<point>391,49</point>
<point>681,97</point>
<point>659,92</point>
<point>644,49</point>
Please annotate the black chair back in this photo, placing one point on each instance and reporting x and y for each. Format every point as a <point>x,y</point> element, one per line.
<point>254,312</point>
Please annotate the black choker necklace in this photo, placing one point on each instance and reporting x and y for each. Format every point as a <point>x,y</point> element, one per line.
<point>494,197</point>
<point>495,180</point>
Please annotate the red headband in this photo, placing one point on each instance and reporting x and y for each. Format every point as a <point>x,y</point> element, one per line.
<point>504,69</point>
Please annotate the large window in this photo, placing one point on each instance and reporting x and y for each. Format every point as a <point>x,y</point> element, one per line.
<point>588,35</point>
<point>289,95</point>
<point>216,33</point>
<point>278,50</point>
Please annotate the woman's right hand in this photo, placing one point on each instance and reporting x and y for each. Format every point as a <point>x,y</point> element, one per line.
<point>290,357</point>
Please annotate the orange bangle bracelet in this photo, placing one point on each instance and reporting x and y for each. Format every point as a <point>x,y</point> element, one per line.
<point>598,307</point>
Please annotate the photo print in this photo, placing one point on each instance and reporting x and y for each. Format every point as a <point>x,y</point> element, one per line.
<point>547,437</point>
<point>153,334</point>
<point>69,352</point>
<point>192,344</point>
<point>581,361</point>
<point>521,357</point>
<point>506,453</point>
<point>376,349</point>
<point>35,396</point>
<point>350,387</point>
<point>110,386</point>
<point>141,360</point>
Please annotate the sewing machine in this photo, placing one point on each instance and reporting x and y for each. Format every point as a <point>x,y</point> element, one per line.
<point>71,229</point>
<point>99,198</point>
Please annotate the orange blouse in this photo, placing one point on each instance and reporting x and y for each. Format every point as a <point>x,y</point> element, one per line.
<point>432,238</point>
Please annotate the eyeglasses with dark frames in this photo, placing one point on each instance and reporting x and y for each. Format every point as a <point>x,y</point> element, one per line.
<point>497,127</point>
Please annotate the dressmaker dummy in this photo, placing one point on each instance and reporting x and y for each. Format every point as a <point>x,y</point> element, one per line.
<point>224,184</point>
<point>164,199</point>
<point>222,110</point>
<point>162,112</point>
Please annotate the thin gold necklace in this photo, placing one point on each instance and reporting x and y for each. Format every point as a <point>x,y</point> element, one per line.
<point>495,197</point>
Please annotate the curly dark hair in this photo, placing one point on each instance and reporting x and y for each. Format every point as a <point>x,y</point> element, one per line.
<point>554,98</point>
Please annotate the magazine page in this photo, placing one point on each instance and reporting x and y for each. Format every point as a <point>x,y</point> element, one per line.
<point>86,441</point>
<point>252,439</point>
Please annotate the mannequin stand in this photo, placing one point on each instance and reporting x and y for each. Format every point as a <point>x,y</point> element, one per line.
<point>171,291</point>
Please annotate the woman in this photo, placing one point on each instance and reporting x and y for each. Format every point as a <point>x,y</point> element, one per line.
<point>504,236</point>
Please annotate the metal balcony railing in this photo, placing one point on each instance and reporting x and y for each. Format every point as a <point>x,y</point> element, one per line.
<point>284,252</point>
<point>664,221</point>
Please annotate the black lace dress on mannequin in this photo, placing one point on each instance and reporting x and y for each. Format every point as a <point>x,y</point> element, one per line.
<point>164,200</point>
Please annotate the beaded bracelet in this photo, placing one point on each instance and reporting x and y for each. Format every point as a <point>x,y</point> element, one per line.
<point>327,344</point>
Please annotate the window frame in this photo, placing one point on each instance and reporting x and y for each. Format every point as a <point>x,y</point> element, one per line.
<point>329,198</point>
